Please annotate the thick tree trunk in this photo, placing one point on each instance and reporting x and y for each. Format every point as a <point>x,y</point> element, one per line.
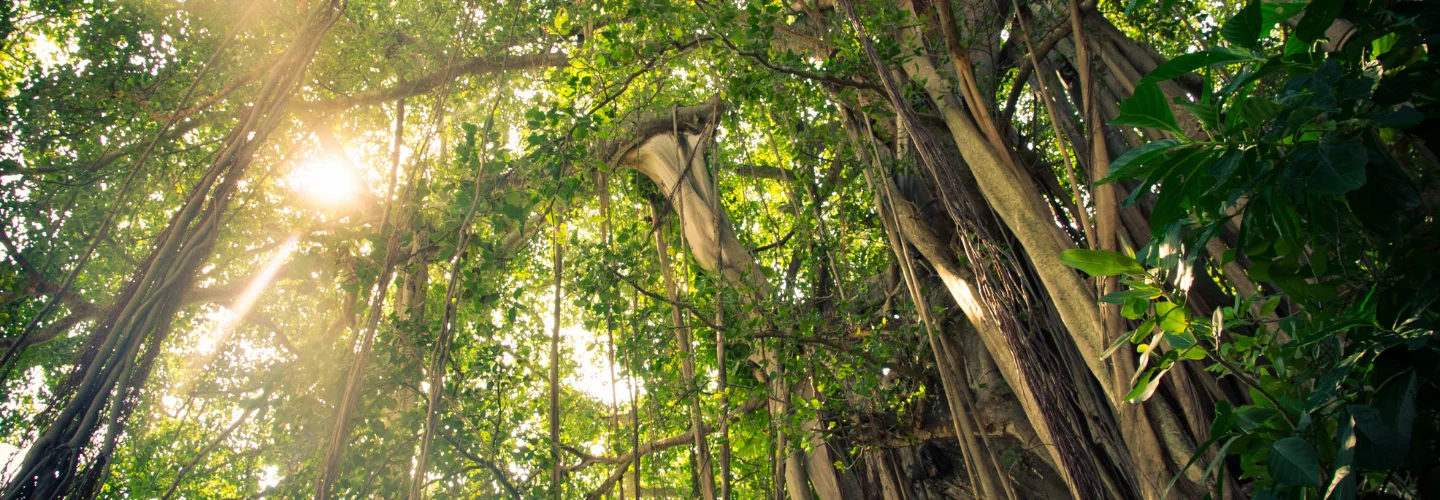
<point>660,157</point>
<point>1016,200</point>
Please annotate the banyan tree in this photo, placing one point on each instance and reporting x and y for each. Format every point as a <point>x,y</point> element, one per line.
<point>828,249</point>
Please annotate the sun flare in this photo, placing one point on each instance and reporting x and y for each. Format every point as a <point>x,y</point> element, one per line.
<point>326,180</point>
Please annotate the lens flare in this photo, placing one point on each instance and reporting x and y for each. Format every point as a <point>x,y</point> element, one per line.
<point>230,315</point>
<point>326,180</point>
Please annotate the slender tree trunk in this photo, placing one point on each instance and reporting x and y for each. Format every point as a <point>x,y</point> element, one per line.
<point>440,358</point>
<point>687,360</point>
<point>554,419</point>
<point>340,433</point>
<point>1043,93</point>
<point>722,369</point>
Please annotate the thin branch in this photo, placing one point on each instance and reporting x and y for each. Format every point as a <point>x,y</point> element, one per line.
<point>686,437</point>
<point>424,84</point>
<point>765,172</point>
<point>497,471</point>
<point>1040,51</point>
<point>693,311</point>
<point>780,242</point>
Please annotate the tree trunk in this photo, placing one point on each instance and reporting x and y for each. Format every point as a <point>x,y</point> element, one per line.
<point>686,354</point>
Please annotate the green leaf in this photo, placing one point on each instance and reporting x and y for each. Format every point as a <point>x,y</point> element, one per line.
<point>1180,341</point>
<point>1135,307</point>
<point>1147,109</point>
<point>1115,345</point>
<point>1293,463</point>
<point>1224,419</point>
<point>1405,415</point>
<point>1183,181</point>
<point>1173,317</point>
<point>1136,158</point>
<point>1324,389</point>
<point>1195,457</point>
<point>1378,445</point>
<point>1100,262</point>
<point>1243,29</point>
<point>1270,305</point>
<point>1252,417</point>
<point>562,21</point>
<point>1193,61</point>
<point>1226,166</point>
<point>1124,296</point>
<point>1259,111</point>
<point>1142,331</point>
<point>1208,114</point>
<point>1342,483</point>
<point>1278,12</point>
<point>515,212</point>
<point>1319,15</point>
<point>1331,168</point>
<point>1146,385</point>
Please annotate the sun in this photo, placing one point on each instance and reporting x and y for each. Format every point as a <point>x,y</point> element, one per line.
<point>326,180</point>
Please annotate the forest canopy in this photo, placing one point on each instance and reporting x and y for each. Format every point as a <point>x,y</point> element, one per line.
<point>827,249</point>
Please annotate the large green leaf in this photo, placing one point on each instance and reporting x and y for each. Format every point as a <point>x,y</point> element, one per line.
<point>1182,341</point>
<point>1174,318</point>
<point>1183,181</point>
<point>1259,111</point>
<point>1208,114</point>
<point>1130,164</point>
<point>1193,61</point>
<point>1100,262</point>
<point>1319,15</point>
<point>1331,168</point>
<point>1147,109</point>
<point>1274,13</point>
<point>1224,419</point>
<point>1252,417</point>
<point>1135,307</point>
<point>1225,166</point>
<point>1293,463</point>
<point>1243,29</point>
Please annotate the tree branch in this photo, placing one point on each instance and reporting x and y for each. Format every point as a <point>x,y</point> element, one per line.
<point>472,66</point>
<point>693,312</point>
<point>499,474</point>
<point>623,461</point>
<point>1042,50</point>
<point>765,172</point>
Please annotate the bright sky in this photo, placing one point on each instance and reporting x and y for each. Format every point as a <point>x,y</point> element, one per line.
<point>592,376</point>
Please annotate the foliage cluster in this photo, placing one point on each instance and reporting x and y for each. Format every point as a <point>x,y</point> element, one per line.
<point>1303,164</point>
